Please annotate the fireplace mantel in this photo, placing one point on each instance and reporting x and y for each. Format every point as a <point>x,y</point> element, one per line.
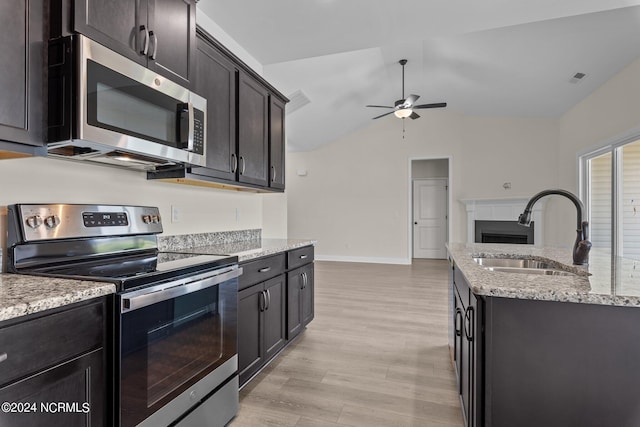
<point>502,210</point>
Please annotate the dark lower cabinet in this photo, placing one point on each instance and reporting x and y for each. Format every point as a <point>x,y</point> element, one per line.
<point>532,363</point>
<point>53,368</point>
<point>300,299</point>
<point>467,312</point>
<point>70,394</point>
<point>22,56</point>
<point>261,325</point>
<point>272,310</point>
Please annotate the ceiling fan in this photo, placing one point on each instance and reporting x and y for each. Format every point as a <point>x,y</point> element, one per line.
<point>405,107</point>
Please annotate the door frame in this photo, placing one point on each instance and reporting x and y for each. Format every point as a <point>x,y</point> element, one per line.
<point>449,160</point>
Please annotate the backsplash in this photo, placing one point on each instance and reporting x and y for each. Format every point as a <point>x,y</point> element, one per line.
<point>172,243</point>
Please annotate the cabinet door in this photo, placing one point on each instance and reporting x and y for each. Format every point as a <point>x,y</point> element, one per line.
<point>79,383</point>
<point>275,316</point>
<point>307,296</point>
<point>251,304</point>
<point>21,78</point>
<point>294,315</point>
<point>216,81</point>
<point>172,47</point>
<point>120,25</point>
<point>253,155</point>
<point>276,143</point>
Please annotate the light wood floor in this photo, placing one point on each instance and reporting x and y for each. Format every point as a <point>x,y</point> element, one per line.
<point>375,355</point>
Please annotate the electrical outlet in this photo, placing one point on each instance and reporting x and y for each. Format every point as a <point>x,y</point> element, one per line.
<point>176,214</point>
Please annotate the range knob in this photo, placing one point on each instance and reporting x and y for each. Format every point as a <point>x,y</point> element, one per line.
<point>52,221</point>
<point>155,219</point>
<point>34,221</point>
<point>146,219</point>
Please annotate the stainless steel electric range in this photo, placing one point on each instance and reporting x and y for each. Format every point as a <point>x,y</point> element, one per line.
<point>175,329</point>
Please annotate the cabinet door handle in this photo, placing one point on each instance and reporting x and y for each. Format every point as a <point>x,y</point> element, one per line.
<point>457,326</point>
<point>273,175</point>
<point>304,256</point>
<point>242,165</point>
<point>262,303</point>
<point>155,45</point>
<point>268,291</point>
<point>3,357</point>
<point>234,163</point>
<point>264,270</point>
<point>468,319</point>
<point>304,280</point>
<point>145,49</point>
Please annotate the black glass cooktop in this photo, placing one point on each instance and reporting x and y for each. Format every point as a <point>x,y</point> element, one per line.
<point>137,270</point>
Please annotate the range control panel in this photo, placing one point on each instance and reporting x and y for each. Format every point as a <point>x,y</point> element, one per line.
<point>64,221</point>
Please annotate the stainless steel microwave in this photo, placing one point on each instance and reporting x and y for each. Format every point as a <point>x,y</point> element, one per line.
<point>105,108</point>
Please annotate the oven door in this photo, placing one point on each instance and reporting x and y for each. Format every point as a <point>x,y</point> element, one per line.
<point>178,343</point>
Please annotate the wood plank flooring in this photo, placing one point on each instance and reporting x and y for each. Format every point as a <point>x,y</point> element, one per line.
<point>375,355</point>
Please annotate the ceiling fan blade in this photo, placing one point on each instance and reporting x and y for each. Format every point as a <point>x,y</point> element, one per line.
<point>382,115</point>
<point>410,100</point>
<point>414,115</point>
<point>378,106</point>
<point>437,105</point>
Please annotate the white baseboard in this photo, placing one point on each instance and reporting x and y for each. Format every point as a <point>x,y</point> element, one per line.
<point>371,260</point>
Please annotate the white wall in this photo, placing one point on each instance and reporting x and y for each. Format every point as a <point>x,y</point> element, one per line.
<point>610,114</point>
<point>354,199</point>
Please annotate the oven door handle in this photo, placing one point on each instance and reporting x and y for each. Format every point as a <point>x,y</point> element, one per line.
<point>145,297</point>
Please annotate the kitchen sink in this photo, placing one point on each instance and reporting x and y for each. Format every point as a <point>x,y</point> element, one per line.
<point>522,266</point>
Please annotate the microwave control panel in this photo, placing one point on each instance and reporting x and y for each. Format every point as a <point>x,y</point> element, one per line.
<point>198,131</point>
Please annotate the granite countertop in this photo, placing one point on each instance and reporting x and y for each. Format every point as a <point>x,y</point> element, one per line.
<point>21,294</point>
<point>249,249</point>
<point>604,281</point>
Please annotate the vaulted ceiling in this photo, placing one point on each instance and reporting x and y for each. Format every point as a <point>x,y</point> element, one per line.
<point>491,57</point>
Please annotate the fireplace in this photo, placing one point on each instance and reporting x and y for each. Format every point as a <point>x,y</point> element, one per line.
<point>503,232</point>
<point>501,215</point>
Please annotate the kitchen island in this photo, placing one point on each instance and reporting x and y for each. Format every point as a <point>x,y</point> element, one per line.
<point>533,350</point>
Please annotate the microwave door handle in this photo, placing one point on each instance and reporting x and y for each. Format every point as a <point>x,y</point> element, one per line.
<point>191,127</point>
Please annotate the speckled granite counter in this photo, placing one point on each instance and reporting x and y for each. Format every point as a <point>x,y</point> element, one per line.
<point>602,282</point>
<point>248,249</point>
<point>21,294</point>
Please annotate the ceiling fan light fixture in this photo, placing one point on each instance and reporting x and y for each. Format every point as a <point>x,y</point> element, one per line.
<point>403,113</point>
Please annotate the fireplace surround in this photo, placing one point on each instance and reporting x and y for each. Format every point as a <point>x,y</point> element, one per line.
<point>501,212</point>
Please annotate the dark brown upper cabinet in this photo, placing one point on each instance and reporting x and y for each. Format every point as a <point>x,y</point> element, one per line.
<point>216,81</point>
<point>22,57</point>
<point>158,34</point>
<point>276,143</point>
<point>253,126</point>
<point>245,125</point>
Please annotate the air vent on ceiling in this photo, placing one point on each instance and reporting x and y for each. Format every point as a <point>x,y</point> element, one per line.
<point>297,100</point>
<point>577,78</point>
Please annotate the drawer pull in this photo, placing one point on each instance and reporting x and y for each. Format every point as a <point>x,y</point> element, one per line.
<point>3,357</point>
<point>264,270</point>
<point>304,256</point>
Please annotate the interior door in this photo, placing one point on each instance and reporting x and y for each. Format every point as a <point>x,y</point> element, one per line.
<point>430,218</point>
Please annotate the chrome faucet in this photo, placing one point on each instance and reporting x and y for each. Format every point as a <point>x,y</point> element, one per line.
<point>582,245</point>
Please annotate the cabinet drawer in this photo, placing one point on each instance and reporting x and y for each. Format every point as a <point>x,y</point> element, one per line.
<point>261,269</point>
<point>298,257</point>
<point>46,341</point>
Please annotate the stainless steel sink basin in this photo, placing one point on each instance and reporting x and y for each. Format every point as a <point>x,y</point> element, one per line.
<point>521,265</point>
